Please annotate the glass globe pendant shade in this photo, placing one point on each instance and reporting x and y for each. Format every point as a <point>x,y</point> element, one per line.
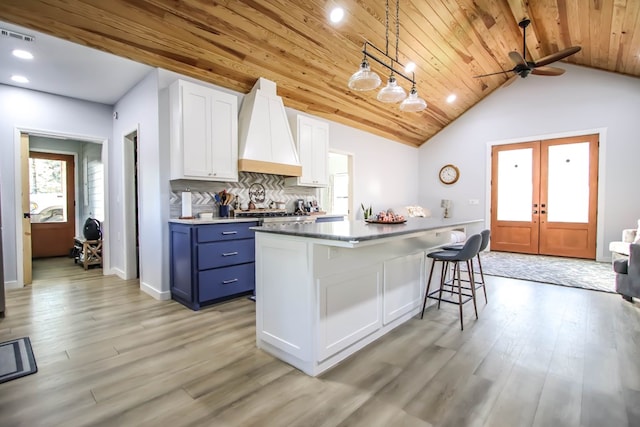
<point>413,103</point>
<point>364,79</point>
<point>391,93</point>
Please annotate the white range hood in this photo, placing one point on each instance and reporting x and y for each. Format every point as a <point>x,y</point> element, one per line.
<point>264,136</point>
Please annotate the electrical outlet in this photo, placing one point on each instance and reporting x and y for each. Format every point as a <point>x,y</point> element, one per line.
<point>474,201</point>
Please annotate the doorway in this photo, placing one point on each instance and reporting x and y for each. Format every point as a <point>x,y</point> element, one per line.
<point>337,197</point>
<point>86,186</point>
<point>131,219</point>
<point>544,197</point>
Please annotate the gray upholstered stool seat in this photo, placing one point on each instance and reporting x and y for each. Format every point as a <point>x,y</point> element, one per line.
<point>466,254</point>
<point>486,236</point>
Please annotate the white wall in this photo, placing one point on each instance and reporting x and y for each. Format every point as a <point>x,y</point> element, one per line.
<point>26,109</point>
<point>538,107</point>
<point>139,109</point>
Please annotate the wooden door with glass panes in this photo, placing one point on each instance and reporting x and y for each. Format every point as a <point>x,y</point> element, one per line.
<point>544,197</point>
<point>52,204</point>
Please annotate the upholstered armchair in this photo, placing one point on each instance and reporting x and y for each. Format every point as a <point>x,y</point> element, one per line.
<point>628,274</point>
<point>620,249</point>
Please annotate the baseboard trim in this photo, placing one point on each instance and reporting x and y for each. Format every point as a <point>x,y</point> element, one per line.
<point>153,292</point>
<point>12,285</point>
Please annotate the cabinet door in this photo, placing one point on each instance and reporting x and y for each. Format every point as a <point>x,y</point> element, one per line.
<point>403,279</point>
<point>350,309</point>
<point>320,151</point>
<point>224,149</point>
<point>196,130</point>
<point>313,148</point>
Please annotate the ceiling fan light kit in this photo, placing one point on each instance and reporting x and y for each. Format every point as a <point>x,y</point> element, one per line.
<point>540,67</point>
<point>364,79</point>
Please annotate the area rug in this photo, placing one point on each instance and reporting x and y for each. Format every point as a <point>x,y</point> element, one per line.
<point>16,359</point>
<point>573,272</point>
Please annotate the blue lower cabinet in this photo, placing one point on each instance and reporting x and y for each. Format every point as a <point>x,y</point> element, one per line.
<point>222,282</point>
<point>210,263</point>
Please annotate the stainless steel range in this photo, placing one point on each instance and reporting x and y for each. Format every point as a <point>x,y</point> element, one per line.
<point>276,217</point>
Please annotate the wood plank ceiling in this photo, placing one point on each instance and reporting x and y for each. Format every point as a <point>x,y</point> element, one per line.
<point>232,43</point>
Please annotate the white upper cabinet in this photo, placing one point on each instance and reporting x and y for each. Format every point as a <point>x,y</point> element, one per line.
<point>312,137</point>
<point>204,133</point>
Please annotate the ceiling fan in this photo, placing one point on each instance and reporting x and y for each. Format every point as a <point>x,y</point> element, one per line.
<point>540,67</point>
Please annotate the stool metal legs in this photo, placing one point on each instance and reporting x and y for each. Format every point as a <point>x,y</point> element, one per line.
<point>443,282</point>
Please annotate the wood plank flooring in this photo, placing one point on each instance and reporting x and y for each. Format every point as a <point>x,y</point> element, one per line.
<point>109,355</point>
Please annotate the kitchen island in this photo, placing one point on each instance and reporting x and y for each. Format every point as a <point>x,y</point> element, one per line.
<point>326,290</point>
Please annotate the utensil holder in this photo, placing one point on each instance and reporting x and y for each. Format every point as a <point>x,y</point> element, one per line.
<point>224,211</point>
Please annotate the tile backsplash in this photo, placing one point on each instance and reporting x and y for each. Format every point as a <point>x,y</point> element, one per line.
<point>202,192</point>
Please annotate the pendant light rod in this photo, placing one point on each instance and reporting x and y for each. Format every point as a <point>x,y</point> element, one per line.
<point>379,61</point>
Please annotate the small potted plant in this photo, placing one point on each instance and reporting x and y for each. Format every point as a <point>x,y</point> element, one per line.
<point>367,212</point>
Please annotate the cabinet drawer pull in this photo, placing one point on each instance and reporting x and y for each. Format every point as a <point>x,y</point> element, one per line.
<point>226,233</point>
<point>230,253</point>
<point>226,282</point>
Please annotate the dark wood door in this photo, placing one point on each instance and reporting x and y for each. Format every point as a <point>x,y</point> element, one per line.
<point>52,203</point>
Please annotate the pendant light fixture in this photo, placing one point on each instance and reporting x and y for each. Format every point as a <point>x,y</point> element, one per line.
<point>365,79</point>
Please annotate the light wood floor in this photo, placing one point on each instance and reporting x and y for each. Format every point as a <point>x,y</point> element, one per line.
<point>107,354</point>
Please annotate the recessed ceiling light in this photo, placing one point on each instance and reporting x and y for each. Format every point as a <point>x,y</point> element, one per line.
<point>451,98</point>
<point>19,79</point>
<point>410,67</point>
<point>336,15</point>
<point>22,54</point>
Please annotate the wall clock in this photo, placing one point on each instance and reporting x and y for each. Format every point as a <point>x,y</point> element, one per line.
<point>449,174</point>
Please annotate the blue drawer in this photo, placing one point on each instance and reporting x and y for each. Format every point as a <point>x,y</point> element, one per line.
<point>223,282</point>
<point>226,231</point>
<point>222,254</point>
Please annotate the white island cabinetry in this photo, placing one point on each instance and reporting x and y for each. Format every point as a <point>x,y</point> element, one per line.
<point>324,291</point>
<point>204,133</point>
<point>312,137</point>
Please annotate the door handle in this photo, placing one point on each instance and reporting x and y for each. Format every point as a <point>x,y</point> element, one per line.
<point>543,205</point>
<point>535,205</point>
<point>535,212</point>
<point>26,215</point>
<point>543,212</point>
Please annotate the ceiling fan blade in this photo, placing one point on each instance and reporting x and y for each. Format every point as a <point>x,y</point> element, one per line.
<point>557,56</point>
<point>510,80</point>
<point>493,74</point>
<point>547,71</point>
<point>517,58</point>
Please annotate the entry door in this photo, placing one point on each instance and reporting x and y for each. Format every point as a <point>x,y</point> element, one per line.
<point>52,204</point>
<point>544,197</point>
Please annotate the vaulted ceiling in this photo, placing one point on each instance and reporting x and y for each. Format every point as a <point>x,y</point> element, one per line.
<point>232,43</point>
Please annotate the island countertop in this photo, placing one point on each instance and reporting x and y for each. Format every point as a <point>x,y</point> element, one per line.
<point>359,233</point>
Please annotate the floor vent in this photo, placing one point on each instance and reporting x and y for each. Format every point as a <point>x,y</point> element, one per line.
<point>18,36</point>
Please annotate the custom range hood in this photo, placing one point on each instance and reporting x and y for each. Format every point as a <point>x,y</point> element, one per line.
<point>265,141</point>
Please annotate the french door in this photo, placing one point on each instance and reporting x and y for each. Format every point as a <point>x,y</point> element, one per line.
<point>544,197</point>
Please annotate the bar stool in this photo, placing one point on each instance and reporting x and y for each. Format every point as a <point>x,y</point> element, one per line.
<point>486,236</point>
<point>466,254</point>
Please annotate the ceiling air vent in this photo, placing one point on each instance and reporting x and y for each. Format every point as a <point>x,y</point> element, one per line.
<point>18,36</point>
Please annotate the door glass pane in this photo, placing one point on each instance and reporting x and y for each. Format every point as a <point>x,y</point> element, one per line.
<point>47,195</point>
<point>568,181</point>
<point>515,185</point>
